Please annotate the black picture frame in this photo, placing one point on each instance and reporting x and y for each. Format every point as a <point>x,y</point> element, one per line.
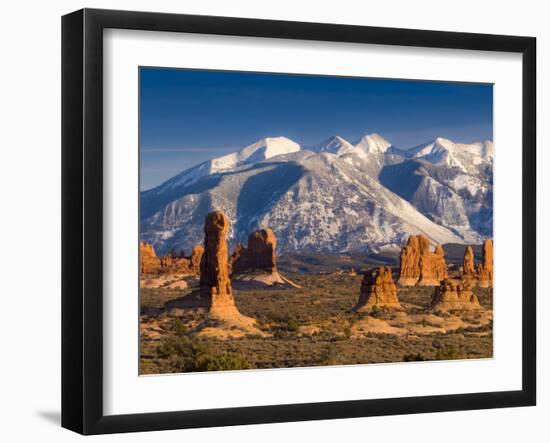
<point>82,218</point>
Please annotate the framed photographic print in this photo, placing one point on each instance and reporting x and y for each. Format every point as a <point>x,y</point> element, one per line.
<point>269,221</point>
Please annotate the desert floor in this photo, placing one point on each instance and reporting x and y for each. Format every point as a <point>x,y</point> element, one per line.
<point>311,326</point>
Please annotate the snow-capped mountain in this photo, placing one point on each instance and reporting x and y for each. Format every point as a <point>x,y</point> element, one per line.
<point>334,145</point>
<point>465,157</point>
<point>261,150</point>
<point>373,144</point>
<point>335,196</point>
<point>450,183</point>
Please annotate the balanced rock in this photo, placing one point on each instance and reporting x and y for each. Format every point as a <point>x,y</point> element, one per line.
<point>419,265</point>
<point>453,295</point>
<point>485,270</point>
<point>378,289</point>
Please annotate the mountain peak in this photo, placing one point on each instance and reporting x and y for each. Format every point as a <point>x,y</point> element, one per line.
<point>334,145</point>
<point>266,148</point>
<point>373,144</point>
<point>442,142</point>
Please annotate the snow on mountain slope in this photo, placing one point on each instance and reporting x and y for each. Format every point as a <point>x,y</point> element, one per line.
<point>261,150</point>
<point>334,196</point>
<point>373,144</point>
<point>312,202</point>
<point>447,196</point>
<point>334,145</point>
<point>465,157</point>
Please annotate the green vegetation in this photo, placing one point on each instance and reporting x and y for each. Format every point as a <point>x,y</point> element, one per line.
<point>183,354</point>
<point>310,326</point>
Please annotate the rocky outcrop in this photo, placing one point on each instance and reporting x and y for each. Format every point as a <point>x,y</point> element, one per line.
<point>215,286</point>
<point>468,265</point>
<point>195,259</point>
<point>261,250</point>
<point>454,295</point>
<point>409,271</point>
<point>419,265</point>
<point>485,269</point>
<point>255,267</point>
<point>173,263</point>
<point>432,266</point>
<point>482,274</point>
<point>148,261</point>
<point>378,290</point>
<point>259,255</point>
<point>238,258</point>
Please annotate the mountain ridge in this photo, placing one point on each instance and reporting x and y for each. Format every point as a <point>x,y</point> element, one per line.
<point>335,196</point>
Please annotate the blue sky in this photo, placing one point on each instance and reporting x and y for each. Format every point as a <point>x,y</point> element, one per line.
<point>188,116</point>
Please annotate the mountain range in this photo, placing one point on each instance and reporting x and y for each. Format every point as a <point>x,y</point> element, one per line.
<point>333,197</point>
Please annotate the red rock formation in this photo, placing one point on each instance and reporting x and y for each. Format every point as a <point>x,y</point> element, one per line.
<point>222,319</point>
<point>485,270</point>
<point>433,268</point>
<point>454,295</point>
<point>238,260</point>
<point>261,250</point>
<point>378,289</point>
<point>468,266</point>
<point>148,260</point>
<point>195,259</point>
<point>172,263</point>
<point>215,285</point>
<point>259,255</point>
<point>419,265</point>
<point>409,262</point>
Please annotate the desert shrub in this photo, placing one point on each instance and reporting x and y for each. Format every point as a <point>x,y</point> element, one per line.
<point>282,334</point>
<point>375,311</point>
<point>414,357</point>
<point>292,325</point>
<point>189,355</point>
<point>221,362</point>
<point>448,353</point>
<point>347,332</point>
<point>183,348</point>
<point>179,328</point>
